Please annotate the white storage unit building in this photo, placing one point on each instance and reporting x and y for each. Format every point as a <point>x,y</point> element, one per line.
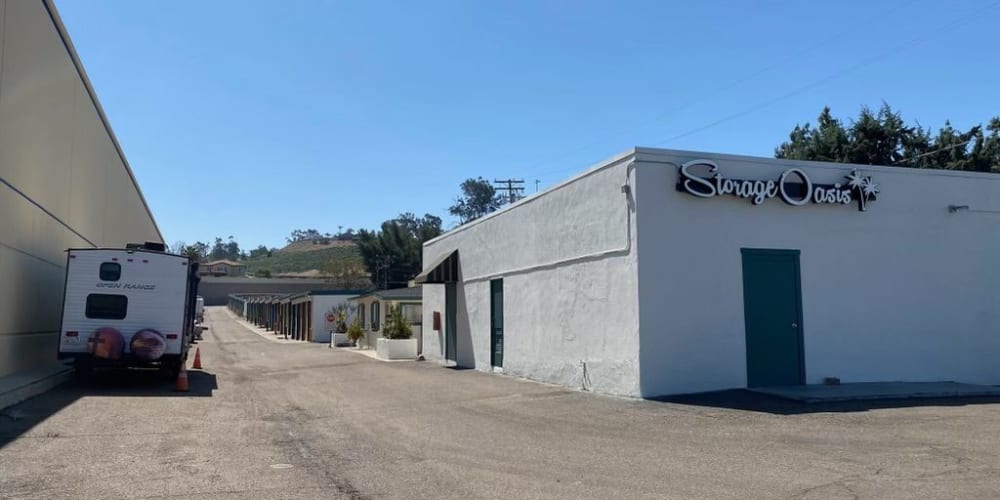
<point>665,272</point>
<point>323,309</point>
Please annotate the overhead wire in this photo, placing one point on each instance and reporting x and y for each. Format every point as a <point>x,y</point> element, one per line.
<point>833,76</point>
<point>924,37</point>
<point>747,78</point>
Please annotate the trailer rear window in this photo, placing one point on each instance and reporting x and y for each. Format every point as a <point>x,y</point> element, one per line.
<point>105,306</point>
<point>111,271</point>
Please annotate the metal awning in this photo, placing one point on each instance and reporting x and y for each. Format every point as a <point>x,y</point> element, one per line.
<point>444,269</point>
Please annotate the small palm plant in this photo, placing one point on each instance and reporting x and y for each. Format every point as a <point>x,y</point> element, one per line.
<point>355,333</point>
<point>341,312</point>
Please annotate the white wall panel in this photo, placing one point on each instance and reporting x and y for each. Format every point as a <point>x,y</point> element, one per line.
<point>36,105</point>
<point>56,150</point>
<point>903,291</point>
<point>569,286</point>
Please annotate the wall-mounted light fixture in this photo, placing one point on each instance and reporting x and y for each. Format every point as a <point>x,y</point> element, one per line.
<point>956,208</point>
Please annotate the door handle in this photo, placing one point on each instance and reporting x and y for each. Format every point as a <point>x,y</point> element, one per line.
<point>795,325</point>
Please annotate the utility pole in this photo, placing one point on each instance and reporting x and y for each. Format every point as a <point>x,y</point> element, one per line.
<point>513,187</point>
<point>536,185</point>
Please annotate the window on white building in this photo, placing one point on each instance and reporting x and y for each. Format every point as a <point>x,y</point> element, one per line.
<point>412,313</point>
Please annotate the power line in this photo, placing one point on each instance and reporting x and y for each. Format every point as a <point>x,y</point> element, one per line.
<point>916,40</point>
<point>740,81</point>
<point>946,148</point>
<point>514,188</point>
<point>830,77</point>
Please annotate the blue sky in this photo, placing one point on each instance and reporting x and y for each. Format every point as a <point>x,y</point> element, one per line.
<point>252,118</point>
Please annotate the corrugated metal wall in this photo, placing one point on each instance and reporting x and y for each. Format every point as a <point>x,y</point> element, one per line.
<point>63,180</point>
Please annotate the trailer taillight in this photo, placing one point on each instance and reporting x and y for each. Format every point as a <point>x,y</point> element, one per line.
<point>72,334</point>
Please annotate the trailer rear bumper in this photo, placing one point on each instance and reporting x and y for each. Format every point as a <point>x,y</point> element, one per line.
<point>127,361</point>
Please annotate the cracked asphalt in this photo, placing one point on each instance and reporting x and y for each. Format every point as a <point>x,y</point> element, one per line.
<point>299,421</point>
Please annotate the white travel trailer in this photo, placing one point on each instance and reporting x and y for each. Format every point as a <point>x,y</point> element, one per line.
<point>128,307</point>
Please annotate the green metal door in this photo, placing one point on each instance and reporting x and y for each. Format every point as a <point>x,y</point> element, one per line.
<point>772,305</point>
<point>450,322</point>
<point>496,322</point>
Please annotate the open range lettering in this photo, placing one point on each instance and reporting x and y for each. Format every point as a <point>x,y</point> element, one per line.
<point>126,286</point>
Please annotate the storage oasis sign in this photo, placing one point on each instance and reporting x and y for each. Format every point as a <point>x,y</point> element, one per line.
<point>793,186</point>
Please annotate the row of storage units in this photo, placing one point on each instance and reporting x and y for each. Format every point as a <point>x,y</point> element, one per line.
<point>307,316</point>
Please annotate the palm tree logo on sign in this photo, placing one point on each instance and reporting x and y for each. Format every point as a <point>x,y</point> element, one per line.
<point>862,187</point>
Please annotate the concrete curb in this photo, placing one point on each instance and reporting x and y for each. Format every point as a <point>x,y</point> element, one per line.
<point>370,353</point>
<point>20,386</point>
<point>277,339</point>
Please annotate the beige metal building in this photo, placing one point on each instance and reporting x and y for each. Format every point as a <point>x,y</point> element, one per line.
<point>64,181</point>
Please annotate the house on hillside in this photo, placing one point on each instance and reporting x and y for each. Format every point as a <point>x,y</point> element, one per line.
<point>372,308</point>
<point>222,268</point>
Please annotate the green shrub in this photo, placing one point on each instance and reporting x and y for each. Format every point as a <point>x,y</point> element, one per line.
<point>396,327</point>
<point>355,332</point>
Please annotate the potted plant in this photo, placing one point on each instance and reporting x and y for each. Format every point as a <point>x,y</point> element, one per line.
<point>355,333</point>
<point>397,340</point>
<point>340,327</point>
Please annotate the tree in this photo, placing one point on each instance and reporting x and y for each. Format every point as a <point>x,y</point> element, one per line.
<point>305,235</point>
<point>883,138</point>
<point>233,250</point>
<point>260,252</point>
<point>346,275</point>
<point>348,235</point>
<point>196,252</point>
<point>228,249</point>
<point>479,198</point>
<point>393,254</point>
<point>218,251</point>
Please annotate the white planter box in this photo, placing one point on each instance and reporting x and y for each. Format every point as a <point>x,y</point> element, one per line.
<point>396,348</point>
<point>340,339</point>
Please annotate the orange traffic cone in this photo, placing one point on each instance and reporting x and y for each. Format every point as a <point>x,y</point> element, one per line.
<point>197,359</point>
<point>182,380</point>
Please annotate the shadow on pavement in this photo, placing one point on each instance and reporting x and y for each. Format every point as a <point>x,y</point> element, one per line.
<point>22,417</point>
<point>738,399</point>
<point>137,383</point>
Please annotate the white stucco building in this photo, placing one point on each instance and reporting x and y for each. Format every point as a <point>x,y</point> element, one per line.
<point>665,272</point>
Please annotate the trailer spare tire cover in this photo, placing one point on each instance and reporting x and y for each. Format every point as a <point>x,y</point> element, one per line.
<point>106,343</point>
<point>148,344</point>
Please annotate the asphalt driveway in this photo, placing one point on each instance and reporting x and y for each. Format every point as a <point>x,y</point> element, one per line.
<point>291,420</point>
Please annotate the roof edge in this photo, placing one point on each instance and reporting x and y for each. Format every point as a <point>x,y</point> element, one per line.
<point>592,169</point>
<point>765,160</point>
<point>71,50</point>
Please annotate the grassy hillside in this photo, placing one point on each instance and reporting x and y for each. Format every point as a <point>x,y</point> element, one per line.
<point>297,261</point>
<point>314,245</point>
